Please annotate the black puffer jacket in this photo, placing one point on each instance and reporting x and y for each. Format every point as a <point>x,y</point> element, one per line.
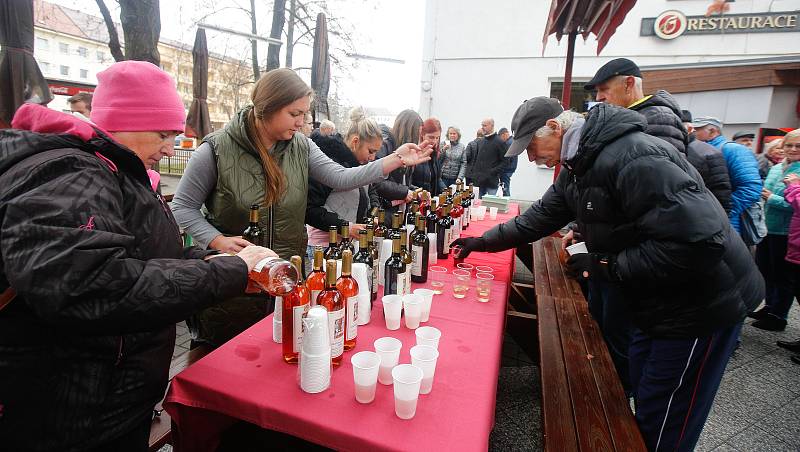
<point>101,275</point>
<point>710,163</point>
<point>636,199</point>
<point>316,213</point>
<point>487,161</point>
<point>663,114</point>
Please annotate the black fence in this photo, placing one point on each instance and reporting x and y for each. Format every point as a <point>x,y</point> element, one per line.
<point>175,164</point>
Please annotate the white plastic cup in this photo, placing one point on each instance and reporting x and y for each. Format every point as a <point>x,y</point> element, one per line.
<point>577,248</point>
<point>392,311</point>
<point>365,375</point>
<point>388,348</point>
<point>428,335</point>
<point>460,283</point>
<point>425,357</point>
<point>407,379</point>
<point>412,305</point>
<point>493,213</point>
<point>427,301</point>
<point>484,269</point>
<point>481,212</point>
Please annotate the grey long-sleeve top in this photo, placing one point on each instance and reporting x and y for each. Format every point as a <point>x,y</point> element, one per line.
<point>200,178</point>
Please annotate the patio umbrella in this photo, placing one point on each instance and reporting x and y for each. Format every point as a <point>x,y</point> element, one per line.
<point>198,123</point>
<point>574,17</point>
<point>321,68</point>
<point>20,78</point>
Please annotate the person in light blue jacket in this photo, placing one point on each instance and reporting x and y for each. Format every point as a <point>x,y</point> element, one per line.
<point>746,184</point>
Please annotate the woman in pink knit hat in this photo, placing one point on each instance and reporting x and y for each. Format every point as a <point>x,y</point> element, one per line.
<point>94,275</point>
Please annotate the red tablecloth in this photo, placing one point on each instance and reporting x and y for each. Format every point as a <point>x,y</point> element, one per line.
<point>247,379</point>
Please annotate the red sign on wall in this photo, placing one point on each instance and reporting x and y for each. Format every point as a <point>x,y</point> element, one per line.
<point>67,90</point>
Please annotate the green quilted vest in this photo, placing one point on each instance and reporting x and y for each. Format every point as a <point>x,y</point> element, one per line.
<point>240,183</point>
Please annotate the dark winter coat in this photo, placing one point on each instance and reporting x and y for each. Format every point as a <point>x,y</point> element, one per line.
<point>488,161</point>
<point>428,175</point>
<point>663,114</point>
<point>635,199</point>
<point>102,277</point>
<point>317,215</point>
<point>710,163</point>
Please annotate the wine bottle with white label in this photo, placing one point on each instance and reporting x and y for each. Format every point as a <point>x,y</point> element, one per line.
<point>420,252</point>
<point>295,307</point>
<point>393,273</point>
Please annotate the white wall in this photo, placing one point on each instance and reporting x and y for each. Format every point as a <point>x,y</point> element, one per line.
<point>482,60</point>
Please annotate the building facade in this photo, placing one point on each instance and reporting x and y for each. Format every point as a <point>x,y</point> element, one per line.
<point>71,47</point>
<point>482,59</point>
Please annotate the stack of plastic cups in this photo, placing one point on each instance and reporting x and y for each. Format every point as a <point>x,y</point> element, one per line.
<point>360,273</point>
<point>277,321</point>
<point>427,300</point>
<point>412,305</point>
<point>315,355</point>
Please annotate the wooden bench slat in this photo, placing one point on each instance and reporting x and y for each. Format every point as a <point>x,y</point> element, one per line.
<point>555,273</point>
<point>558,434</point>
<point>593,430</point>
<point>624,431</point>
<point>541,281</point>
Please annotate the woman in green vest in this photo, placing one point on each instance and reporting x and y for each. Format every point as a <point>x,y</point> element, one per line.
<point>260,157</point>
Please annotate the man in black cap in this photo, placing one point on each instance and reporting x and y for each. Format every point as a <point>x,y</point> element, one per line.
<point>652,228</point>
<point>744,138</point>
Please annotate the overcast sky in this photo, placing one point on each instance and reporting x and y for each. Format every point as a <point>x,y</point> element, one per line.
<point>382,28</point>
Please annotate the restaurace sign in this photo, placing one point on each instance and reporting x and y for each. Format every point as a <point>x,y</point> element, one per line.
<point>672,24</point>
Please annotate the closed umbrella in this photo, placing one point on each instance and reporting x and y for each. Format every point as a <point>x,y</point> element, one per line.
<point>198,122</point>
<point>20,78</point>
<point>321,68</point>
<point>574,17</point>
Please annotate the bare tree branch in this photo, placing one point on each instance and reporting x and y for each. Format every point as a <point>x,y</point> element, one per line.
<point>113,37</point>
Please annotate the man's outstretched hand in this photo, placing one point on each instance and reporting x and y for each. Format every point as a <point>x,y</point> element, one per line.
<point>468,245</point>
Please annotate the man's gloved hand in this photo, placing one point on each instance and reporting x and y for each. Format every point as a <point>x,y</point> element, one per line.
<point>468,245</point>
<point>592,266</point>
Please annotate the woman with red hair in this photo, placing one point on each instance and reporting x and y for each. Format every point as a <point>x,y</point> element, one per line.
<point>428,175</point>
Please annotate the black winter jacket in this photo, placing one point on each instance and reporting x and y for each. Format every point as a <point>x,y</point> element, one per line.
<point>316,214</point>
<point>635,199</point>
<point>710,163</point>
<point>488,161</point>
<point>663,114</point>
<point>102,277</point>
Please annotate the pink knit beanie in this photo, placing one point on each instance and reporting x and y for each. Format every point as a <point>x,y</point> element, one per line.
<point>137,96</point>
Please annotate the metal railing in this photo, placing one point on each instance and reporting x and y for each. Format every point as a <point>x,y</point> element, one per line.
<point>175,164</point>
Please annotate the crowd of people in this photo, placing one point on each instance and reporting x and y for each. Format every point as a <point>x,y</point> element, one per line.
<point>680,224</point>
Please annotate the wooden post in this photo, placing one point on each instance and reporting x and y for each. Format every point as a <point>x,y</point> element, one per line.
<point>566,92</point>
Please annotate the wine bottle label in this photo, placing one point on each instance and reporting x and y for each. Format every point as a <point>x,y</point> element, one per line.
<point>336,325</point>
<point>277,318</point>
<point>432,257</point>
<point>455,230</point>
<point>416,263</point>
<point>298,312</point>
<point>375,277</point>
<point>447,240</point>
<point>401,284</point>
<point>314,294</point>
<point>352,318</point>
<point>408,279</point>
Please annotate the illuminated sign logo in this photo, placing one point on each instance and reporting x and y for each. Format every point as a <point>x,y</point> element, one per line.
<point>670,24</point>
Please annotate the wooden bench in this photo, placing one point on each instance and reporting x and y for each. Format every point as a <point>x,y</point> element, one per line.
<point>161,428</point>
<point>584,407</point>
